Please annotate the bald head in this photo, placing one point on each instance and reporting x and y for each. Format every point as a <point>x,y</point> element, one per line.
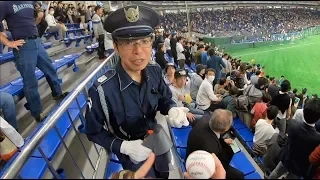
<point>221,120</point>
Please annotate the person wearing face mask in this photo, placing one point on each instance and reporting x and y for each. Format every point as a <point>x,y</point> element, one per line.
<point>206,99</point>
<point>53,26</point>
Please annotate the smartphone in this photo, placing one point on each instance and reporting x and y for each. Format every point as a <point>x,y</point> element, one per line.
<point>297,100</point>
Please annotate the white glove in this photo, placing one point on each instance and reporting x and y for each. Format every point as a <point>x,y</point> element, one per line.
<point>177,117</point>
<point>135,150</point>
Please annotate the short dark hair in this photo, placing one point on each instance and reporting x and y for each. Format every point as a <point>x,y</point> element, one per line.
<point>272,112</point>
<point>207,48</point>
<point>222,81</point>
<point>258,73</point>
<point>51,7</point>
<point>160,45</point>
<point>262,81</point>
<point>282,76</point>
<point>233,90</point>
<point>266,98</point>
<point>225,54</point>
<point>200,46</point>
<point>295,90</point>
<point>97,8</point>
<point>179,38</point>
<point>285,86</point>
<point>210,69</point>
<point>211,52</point>
<point>311,111</point>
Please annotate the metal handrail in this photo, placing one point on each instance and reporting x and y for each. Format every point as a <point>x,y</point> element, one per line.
<point>16,166</point>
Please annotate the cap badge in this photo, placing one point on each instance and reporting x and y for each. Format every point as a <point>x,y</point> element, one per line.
<point>132,14</point>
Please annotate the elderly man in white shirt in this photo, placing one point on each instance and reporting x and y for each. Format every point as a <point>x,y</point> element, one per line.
<point>53,26</point>
<point>206,99</point>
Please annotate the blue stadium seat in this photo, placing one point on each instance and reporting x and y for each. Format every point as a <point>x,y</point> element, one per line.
<point>13,90</point>
<point>47,45</point>
<point>114,158</point>
<point>181,136</point>
<point>245,134</point>
<point>34,168</point>
<point>238,124</point>
<point>82,102</point>
<point>183,153</point>
<point>249,145</point>
<point>112,168</point>
<point>241,162</point>
<point>254,175</point>
<point>6,57</point>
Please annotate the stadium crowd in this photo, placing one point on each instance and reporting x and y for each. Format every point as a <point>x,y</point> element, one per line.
<point>245,22</point>
<point>285,123</point>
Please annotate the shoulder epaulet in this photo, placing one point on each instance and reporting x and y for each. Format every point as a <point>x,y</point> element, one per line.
<point>104,78</point>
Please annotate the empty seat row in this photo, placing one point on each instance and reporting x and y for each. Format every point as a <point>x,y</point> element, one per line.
<point>9,56</point>
<point>15,87</point>
<point>50,144</point>
<point>78,39</point>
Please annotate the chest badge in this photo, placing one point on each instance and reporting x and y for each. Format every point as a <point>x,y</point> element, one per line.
<point>132,14</point>
<point>102,79</point>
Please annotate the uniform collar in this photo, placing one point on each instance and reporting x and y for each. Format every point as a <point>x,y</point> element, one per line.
<point>124,79</point>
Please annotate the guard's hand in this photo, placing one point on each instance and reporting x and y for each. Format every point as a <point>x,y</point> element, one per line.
<point>220,172</point>
<point>15,44</point>
<point>177,117</point>
<point>135,150</point>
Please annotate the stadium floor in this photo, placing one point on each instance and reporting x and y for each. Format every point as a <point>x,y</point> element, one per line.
<point>298,62</point>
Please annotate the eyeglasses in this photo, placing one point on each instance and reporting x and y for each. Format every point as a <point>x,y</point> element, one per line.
<point>130,44</point>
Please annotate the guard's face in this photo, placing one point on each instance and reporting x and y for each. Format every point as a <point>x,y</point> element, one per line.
<point>135,54</point>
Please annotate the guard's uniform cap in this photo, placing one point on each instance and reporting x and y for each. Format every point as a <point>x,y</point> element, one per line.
<point>132,22</point>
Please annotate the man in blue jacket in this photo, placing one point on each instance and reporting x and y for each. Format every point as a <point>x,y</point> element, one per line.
<point>216,63</point>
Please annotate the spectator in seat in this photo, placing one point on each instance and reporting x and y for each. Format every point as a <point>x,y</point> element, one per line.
<point>173,45</point>
<point>70,14</point>
<point>226,70</point>
<point>259,109</point>
<point>229,99</point>
<point>272,156</point>
<point>98,31</point>
<point>179,93</point>
<point>254,78</point>
<point>314,159</point>
<point>216,63</point>
<point>59,13</point>
<point>9,109</point>
<point>303,97</point>
<point>249,72</point>
<point>206,99</point>
<point>161,50</point>
<point>255,92</point>
<point>221,88</point>
<point>169,74</point>
<point>207,134</point>
<point>264,131</point>
<point>273,88</point>
<point>180,52</point>
<point>41,23</point>
<point>29,54</point>
<point>198,54</point>
<point>283,101</point>
<point>53,26</point>
<point>302,140</point>
<point>196,80</point>
<point>167,44</point>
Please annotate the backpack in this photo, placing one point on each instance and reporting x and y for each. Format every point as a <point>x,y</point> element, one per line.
<point>242,102</point>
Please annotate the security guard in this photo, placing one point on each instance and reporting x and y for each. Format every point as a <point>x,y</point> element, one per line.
<point>124,101</point>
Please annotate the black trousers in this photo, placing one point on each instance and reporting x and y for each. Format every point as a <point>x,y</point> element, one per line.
<point>101,46</point>
<point>232,173</point>
<point>213,107</point>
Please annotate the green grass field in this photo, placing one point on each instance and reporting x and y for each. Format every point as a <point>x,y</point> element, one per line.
<point>298,62</point>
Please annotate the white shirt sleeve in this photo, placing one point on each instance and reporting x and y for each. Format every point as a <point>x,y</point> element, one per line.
<point>50,20</point>
<point>210,93</point>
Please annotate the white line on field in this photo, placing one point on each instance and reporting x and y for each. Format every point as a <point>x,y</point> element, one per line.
<point>277,49</point>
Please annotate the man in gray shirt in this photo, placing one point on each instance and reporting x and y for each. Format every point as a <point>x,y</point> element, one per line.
<point>254,78</point>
